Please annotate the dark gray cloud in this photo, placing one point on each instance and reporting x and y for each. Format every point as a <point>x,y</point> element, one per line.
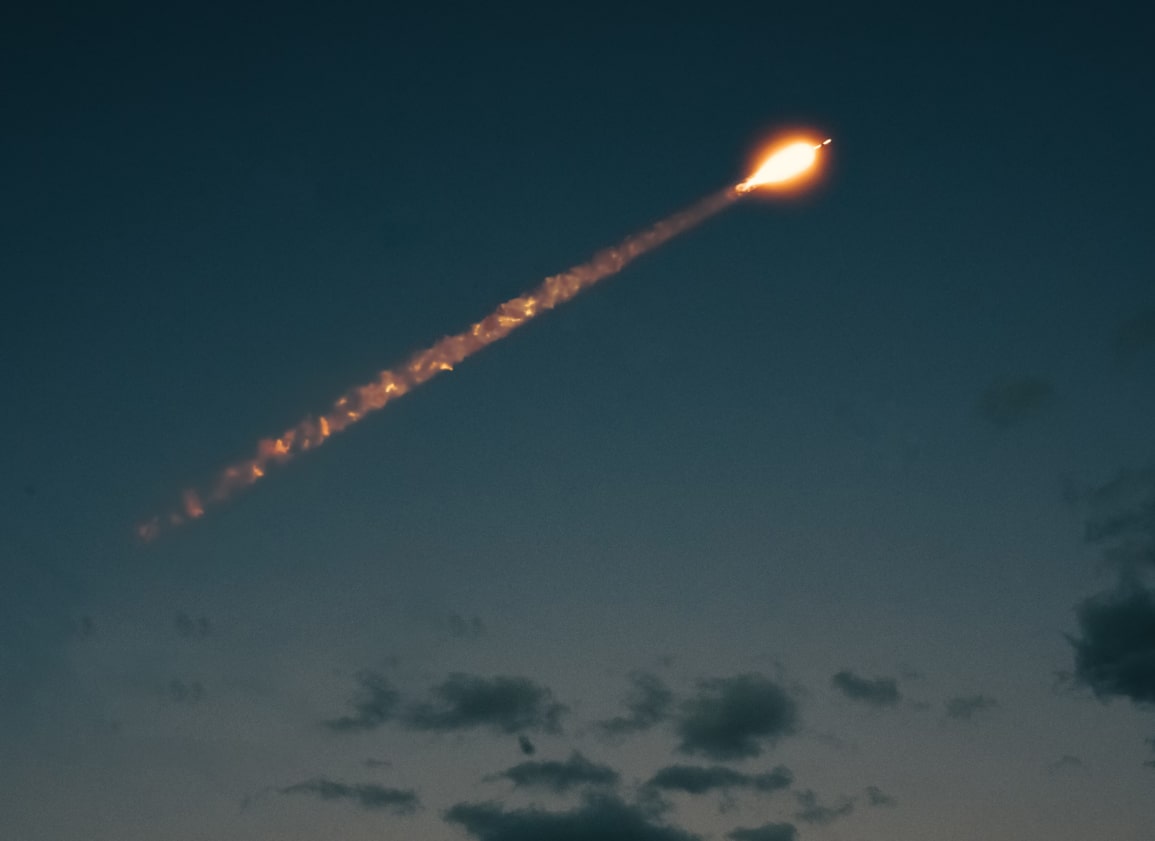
<point>378,763</point>
<point>766,832</point>
<point>561,777</point>
<point>649,702</point>
<point>525,745</point>
<point>186,691</point>
<point>966,707</point>
<point>374,703</point>
<point>734,718</point>
<point>813,812</point>
<point>1151,743</point>
<point>1136,334</point>
<point>877,797</point>
<point>696,779</point>
<point>1010,402</point>
<point>366,795</point>
<point>1115,651</point>
<point>462,627</point>
<point>504,704</point>
<point>599,818</point>
<point>878,692</point>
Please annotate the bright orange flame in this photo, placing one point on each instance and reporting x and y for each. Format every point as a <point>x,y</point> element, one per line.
<point>442,356</point>
<point>784,165</point>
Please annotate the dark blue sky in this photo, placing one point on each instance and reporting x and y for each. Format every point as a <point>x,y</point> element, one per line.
<point>895,429</point>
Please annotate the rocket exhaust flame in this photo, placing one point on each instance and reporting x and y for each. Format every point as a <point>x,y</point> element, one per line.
<point>784,164</point>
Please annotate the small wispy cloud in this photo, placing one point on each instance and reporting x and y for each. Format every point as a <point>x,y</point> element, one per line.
<point>560,776</point>
<point>966,707</point>
<point>504,704</point>
<point>600,817</point>
<point>766,832</point>
<point>373,703</point>
<point>649,703</point>
<point>696,779</point>
<point>365,795</point>
<point>812,812</point>
<point>877,692</point>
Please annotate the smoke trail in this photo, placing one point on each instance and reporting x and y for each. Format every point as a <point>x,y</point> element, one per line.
<point>442,356</point>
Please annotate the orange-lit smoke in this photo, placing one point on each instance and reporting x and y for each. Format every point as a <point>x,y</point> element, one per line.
<point>785,164</point>
<point>442,356</point>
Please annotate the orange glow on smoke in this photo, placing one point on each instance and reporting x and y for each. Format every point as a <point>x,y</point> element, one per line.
<point>787,164</point>
<point>442,356</point>
<point>784,165</point>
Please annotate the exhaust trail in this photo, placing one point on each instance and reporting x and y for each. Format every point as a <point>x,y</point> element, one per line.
<point>783,165</point>
<point>392,383</point>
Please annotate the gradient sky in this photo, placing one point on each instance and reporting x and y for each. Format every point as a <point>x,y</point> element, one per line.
<point>832,520</point>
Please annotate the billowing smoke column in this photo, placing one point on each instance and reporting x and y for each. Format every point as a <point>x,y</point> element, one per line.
<point>784,164</point>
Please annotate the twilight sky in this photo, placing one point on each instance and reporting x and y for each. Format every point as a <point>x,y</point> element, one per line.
<point>832,520</point>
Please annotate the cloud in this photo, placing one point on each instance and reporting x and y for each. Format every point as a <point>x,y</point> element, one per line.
<point>1115,653</point>
<point>599,818</point>
<point>1122,518</point>
<point>811,811</point>
<point>503,704</point>
<point>694,779</point>
<point>373,704</point>
<point>463,628</point>
<point>877,797</point>
<point>378,763</point>
<point>1136,334</point>
<point>877,692</point>
<point>365,795</point>
<point>525,745</point>
<point>766,832</point>
<point>560,777</point>
<point>1151,742</point>
<point>648,704</point>
<point>733,718</point>
<point>1010,402</point>
<point>965,707</point>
